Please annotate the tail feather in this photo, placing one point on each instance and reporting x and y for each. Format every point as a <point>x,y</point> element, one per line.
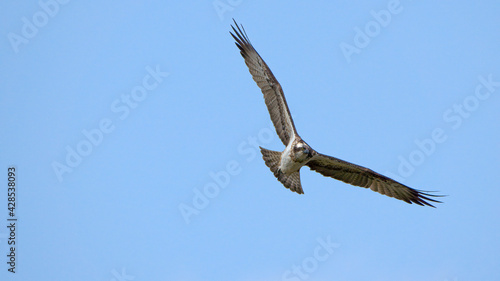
<point>273,160</point>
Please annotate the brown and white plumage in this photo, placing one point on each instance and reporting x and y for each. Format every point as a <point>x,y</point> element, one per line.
<point>360,176</point>
<point>286,165</point>
<point>271,88</point>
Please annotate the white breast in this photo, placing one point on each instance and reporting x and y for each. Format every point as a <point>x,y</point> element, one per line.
<point>287,164</point>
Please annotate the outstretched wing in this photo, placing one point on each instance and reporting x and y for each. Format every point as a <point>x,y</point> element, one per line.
<point>360,176</point>
<point>273,94</point>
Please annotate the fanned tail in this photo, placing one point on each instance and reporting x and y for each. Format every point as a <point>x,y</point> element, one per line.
<point>273,160</point>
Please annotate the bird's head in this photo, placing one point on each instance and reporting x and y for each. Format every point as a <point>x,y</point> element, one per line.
<point>302,151</point>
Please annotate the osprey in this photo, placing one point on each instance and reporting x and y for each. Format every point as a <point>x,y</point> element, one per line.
<point>286,165</point>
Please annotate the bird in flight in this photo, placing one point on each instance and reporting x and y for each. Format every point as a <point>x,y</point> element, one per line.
<point>286,165</point>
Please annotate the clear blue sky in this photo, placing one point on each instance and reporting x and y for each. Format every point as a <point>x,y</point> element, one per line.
<point>133,127</point>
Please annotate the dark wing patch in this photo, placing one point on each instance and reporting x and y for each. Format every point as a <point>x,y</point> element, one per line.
<point>360,176</point>
<point>273,94</point>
